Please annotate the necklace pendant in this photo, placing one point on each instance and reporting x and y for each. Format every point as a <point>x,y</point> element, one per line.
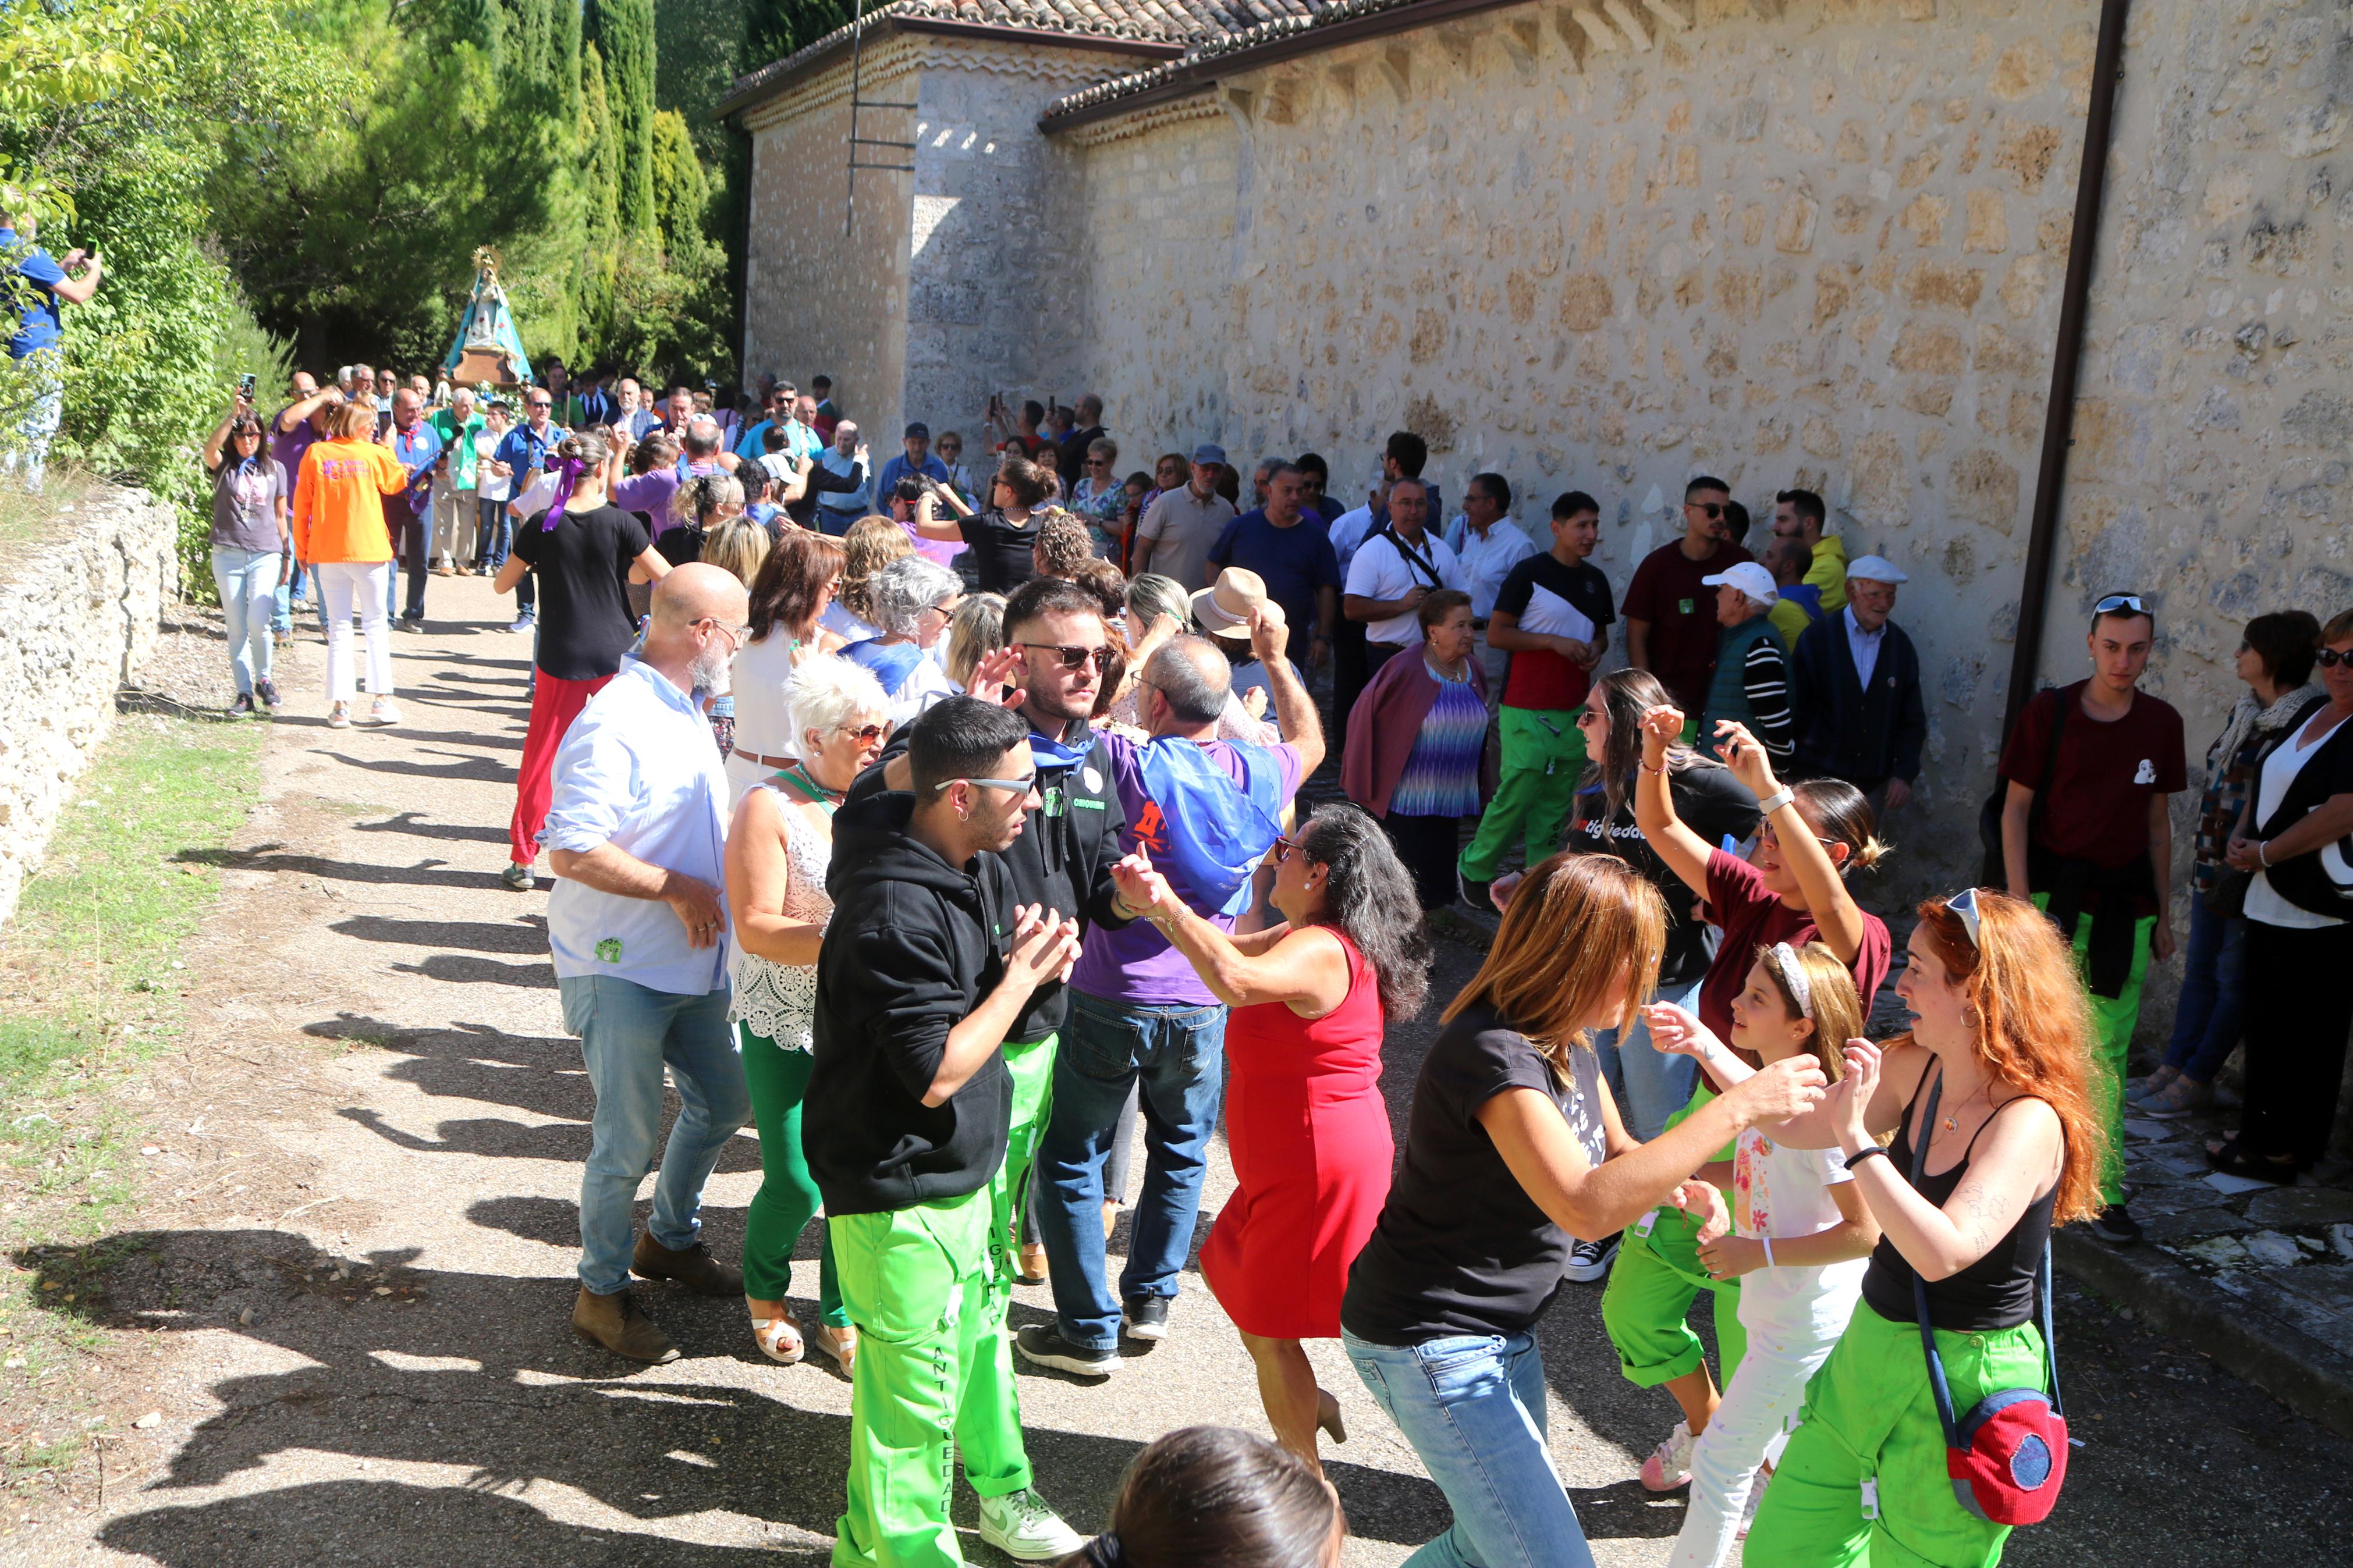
<point>1951,1124</point>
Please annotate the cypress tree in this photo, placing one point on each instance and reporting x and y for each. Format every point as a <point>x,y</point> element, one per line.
<point>623,31</point>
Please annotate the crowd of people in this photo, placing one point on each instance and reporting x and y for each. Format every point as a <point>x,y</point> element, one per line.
<point>946,824</point>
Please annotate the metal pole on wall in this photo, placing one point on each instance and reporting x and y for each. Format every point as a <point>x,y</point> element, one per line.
<point>2066,359</point>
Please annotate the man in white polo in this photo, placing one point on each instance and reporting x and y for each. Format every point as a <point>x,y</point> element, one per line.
<point>1398,566</point>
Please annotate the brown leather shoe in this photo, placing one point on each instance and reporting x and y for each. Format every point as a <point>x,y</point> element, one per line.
<point>614,1322</point>
<point>695,1267</point>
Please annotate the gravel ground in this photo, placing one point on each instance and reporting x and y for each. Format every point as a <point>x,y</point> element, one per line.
<point>345,1297</point>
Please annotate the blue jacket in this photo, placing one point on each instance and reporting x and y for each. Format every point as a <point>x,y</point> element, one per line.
<point>1845,731</point>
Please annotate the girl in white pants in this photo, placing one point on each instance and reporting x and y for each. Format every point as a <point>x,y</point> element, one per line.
<point>340,583</point>
<point>1796,1231</point>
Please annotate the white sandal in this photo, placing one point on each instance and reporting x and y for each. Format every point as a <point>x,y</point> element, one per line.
<point>779,1339</point>
<point>841,1344</point>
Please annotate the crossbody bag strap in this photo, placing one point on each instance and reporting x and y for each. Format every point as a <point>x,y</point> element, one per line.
<point>2049,1340</point>
<point>1414,560</point>
<point>1936,1384</point>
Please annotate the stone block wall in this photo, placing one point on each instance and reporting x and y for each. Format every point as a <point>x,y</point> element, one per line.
<point>76,620</point>
<point>1819,243</point>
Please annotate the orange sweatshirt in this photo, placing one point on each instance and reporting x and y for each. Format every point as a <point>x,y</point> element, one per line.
<point>339,505</point>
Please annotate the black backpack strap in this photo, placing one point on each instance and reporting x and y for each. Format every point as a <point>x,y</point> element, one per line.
<point>1937,1382</point>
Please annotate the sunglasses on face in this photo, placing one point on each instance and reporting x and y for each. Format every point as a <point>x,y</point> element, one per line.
<point>1284,849</point>
<point>865,734</point>
<point>1070,657</point>
<point>1586,716</point>
<point>1018,787</point>
<point>1765,835</point>
<point>539,403</point>
<point>1709,508</point>
<point>2329,657</point>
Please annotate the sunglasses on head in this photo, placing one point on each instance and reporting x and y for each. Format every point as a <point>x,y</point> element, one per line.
<point>2116,601</point>
<point>1964,904</point>
<point>1070,657</point>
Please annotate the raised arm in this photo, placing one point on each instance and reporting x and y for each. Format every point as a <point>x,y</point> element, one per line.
<point>1836,914</point>
<point>1684,852</point>
<point>1294,708</point>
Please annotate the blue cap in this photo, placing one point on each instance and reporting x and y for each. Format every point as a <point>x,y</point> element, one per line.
<point>1208,452</point>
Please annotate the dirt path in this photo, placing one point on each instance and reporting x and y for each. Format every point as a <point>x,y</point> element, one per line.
<point>348,1304</point>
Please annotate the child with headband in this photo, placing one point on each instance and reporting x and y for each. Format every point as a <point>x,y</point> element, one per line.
<point>1796,1230</point>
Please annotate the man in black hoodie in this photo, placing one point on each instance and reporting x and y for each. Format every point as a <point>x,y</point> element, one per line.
<point>927,966</point>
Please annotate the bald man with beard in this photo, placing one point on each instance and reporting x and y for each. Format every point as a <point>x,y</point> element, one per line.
<point>637,922</point>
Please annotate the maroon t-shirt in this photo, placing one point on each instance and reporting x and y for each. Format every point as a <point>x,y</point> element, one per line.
<point>1752,917</point>
<point>1667,592</point>
<point>2097,808</point>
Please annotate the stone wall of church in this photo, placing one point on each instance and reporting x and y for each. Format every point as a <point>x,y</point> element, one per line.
<point>1817,243</point>
<point>816,301</point>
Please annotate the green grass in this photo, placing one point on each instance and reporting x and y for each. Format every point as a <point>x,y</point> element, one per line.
<point>90,962</point>
<point>27,521</point>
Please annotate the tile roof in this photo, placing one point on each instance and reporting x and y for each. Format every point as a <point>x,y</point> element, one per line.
<point>1172,22</point>
<point>1212,45</point>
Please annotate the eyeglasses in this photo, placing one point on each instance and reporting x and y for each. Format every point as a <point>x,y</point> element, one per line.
<point>2329,657</point>
<point>944,612</point>
<point>1964,904</point>
<point>2116,601</point>
<point>1071,657</point>
<point>1018,787</point>
<point>736,631</point>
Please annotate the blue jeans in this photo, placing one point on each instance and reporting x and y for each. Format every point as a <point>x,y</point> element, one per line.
<point>628,1033</point>
<point>247,582</point>
<point>2212,1007</point>
<point>1177,1057</point>
<point>492,536</point>
<point>1474,1408</point>
<point>1648,1084</point>
<point>39,425</point>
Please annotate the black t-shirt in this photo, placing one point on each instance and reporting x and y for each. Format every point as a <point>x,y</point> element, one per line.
<point>1000,552</point>
<point>1712,804</point>
<point>585,625</point>
<point>1460,1248</point>
<point>1541,595</point>
<point>680,542</point>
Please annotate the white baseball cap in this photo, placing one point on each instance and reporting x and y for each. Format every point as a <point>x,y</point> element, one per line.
<point>1878,568</point>
<point>1750,578</point>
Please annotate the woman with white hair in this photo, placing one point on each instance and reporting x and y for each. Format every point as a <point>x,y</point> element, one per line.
<point>913,600</point>
<point>777,852</point>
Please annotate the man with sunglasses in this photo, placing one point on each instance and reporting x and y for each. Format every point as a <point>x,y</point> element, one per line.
<point>2087,833</point>
<point>928,966</point>
<point>1670,610</point>
<point>1207,811</point>
<point>638,924</point>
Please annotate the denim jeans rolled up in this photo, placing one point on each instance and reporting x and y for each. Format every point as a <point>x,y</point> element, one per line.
<point>628,1033</point>
<point>1474,1408</point>
<point>248,583</point>
<point>1176,1058</point>
<point>1649,1085</point>
<point>2211,1012</point>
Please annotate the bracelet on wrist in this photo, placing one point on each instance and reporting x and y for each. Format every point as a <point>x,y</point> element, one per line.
<point>1775,801</point>
<point>2262,853</point>
<point>1768,1252</point>
<point>1866,1152</point>
<point>1660,770</point>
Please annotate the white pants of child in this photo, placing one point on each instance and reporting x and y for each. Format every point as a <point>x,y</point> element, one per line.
<point>341,582</point>
<point>1763,1398</point>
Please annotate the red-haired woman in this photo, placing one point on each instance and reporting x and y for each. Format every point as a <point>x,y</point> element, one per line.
<point>2002,1045</point>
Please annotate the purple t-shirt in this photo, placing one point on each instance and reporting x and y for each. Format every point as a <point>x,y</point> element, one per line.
<point>648,495</point>
<point>287,447</point>
<point>1135,965</point>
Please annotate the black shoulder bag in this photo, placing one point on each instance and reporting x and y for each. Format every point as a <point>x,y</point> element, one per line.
<point>1995,871</point>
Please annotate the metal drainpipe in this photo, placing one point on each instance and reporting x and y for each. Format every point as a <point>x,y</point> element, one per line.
<point>2066,357</point>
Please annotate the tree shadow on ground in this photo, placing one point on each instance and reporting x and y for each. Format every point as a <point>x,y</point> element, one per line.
<point>481,1373</point>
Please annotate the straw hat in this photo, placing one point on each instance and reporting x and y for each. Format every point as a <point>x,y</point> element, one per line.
<point>1225,609</point>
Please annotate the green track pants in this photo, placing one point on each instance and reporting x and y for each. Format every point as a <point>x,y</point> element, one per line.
<point>1544,754</point>
<point>1863,1481</point>
<point>2113,1018</point>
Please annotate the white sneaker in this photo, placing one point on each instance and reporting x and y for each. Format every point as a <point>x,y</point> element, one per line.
<point>1589,1260</point>
<point>1669,1466</point>
<point>339,717</point>
<point>1023,1526</point>
<point>384,710</point>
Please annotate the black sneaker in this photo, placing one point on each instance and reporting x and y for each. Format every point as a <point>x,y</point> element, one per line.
<point>1589,1260</point>
<point>1045,1346</point>
<point>1146,1318</point>
<point>2116,1224</point>
<point>267,691</point>
<point>242,708</point>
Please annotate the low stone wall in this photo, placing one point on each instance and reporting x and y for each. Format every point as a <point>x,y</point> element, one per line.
<point>77,617</point>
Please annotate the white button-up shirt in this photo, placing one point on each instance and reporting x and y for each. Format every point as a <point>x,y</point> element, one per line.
<point>1864,647</point>
<point>1486,560</point>
<point>640,771</point>
<point>1348,531</point>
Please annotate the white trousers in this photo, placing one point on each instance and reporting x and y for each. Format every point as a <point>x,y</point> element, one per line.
<point>342,585</point>
<point>1763,1398</point>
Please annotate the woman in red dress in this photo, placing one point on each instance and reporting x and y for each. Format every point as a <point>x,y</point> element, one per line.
<point>1306,1123</point>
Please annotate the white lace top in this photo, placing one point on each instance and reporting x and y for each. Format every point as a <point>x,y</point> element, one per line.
<point>778,1000</point>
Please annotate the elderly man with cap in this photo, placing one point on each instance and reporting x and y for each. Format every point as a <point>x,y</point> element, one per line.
<point>1751,684</point>
<point>1178,530</point>
<point>1854,682</point>
<point>916,464</point>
